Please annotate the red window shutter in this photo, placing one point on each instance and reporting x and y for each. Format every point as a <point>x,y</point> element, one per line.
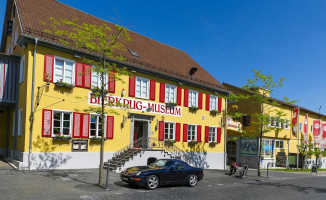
<point>152,90</point>
<point>198,133</point>
<point>207,101</point>
<point>206,134</point>
<point>162,92</point>
<point>132,84</point>
<point>177,132</point>
<point>109,127</point>
<point>85,126</point>
<point>112,81</point>
<point>185,132</point>
<point>77,125</point>
<point>219,104</point>
<point>48,67</point>
<point>79,74</point>
<point>47,123</point>
<point>161,131</point>
<point>179,94</point>
<point>87,76</point>
<point>218,138</point>
<point>186,97</point>
<point>200,100</point>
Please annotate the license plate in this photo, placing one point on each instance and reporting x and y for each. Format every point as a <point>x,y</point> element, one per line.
<point>124,178</point>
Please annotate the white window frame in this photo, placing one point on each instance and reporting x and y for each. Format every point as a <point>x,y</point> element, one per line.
<point>169,128</point>
<point>22,70</point>
<point>286,124</point>
<point>279,142</point>
<point>98,84</point>
<point>300,126</point>
<point>210,133</point>
<point>191,94</point>
<point>189,131</point>
<point>211,104</point>
<point>141,92</point>
<point>61,122</point>
<point>96,123</point>
<point>168,98</point>
<point>65,60</point>
<point>13,124</point>
<point>311,128</point>
<point>272,149</point>
<point>273,122</point>
<point>20,122</point>
<point>279,124</point>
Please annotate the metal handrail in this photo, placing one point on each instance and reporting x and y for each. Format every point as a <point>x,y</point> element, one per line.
<point>129,146</point>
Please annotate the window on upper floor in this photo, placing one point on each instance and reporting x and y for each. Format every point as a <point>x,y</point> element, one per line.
<point>192,132</point>
<point>213,101</point>
<point>64,70</point>
<point>311,128</point>
<point>170,94</point>
<point>279,144</point>
<point>193,98</point>
<point>96,80</point>
<point>300,126</point>
<point>169,131</point>
<point>62,123</point>
<point>142,87</point>
<point>22,69</point>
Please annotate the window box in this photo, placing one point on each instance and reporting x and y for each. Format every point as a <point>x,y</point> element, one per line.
<point>212,144</point>
<point>213,111</point>
<point>169,142</point>
<point>96,139</point>
<point>170,104</point>
<point>61,137</point>
<point>192,142</point>
<point>97,90</point>
<point>193,108</point>
<point>60,83</point>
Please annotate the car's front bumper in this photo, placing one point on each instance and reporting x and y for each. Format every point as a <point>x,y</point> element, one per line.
<point>135,180</point>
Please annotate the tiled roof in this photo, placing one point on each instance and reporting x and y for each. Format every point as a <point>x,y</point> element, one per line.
<point>154,56</point>
<point>229,86</point>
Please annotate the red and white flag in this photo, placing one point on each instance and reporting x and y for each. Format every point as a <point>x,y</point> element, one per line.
<point>305,130</point>
<point>295,121</point>
<point>323,140</point>
<point>317,131</point>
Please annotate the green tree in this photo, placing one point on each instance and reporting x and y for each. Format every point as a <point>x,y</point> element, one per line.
<point>266,115</point>
<point>105,44</point>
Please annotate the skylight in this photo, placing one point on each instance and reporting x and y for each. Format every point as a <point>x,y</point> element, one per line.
<point>134,53</point>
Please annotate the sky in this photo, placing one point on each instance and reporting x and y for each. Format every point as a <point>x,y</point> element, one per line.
<point>229,38</point>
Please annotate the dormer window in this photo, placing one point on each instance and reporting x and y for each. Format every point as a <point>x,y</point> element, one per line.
<point>134,53</point>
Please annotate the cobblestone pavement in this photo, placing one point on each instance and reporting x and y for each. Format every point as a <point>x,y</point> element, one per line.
<point>81,184</point>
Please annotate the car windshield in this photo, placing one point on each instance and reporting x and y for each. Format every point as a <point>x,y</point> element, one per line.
<point>161,163</point>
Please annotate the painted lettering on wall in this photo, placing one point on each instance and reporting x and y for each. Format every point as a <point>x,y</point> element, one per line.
<point>134,104</point>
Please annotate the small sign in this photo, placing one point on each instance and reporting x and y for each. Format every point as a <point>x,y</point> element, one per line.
<point>79,145</point>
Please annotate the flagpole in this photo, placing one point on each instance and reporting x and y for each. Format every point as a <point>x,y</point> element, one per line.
<point>298,133</point>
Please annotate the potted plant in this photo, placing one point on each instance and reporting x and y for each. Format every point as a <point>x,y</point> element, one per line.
<point>212,144</point>
<point>213,111</point>
<point>170,104</point>
<point>193,108</point>
<point>60,83</point>
<point>60,136</point>
<point>169,142</point>
<point>192,142</point>
<point>97,139</point>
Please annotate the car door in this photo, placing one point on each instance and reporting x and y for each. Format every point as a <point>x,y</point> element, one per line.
<point>178,172</point>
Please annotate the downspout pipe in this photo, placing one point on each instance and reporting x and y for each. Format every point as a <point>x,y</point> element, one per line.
<point>32,108</point>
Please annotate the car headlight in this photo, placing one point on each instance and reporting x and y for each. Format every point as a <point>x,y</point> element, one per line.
<point>138,173</point>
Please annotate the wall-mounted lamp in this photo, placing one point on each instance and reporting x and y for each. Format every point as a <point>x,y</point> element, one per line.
<point>123,92</point>
<point>215,92</point>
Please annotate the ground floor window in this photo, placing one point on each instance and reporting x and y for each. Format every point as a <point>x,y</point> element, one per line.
<point>267,148</point>
<point>62,123</point>
<point>192,133</point>
<point>169,131</point>
<point>212,134</point>
<point>95,126</point>
<point>279,144</point>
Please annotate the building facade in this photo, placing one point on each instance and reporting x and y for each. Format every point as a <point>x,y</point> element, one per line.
<point>168,107</point>
<point>279,146</point>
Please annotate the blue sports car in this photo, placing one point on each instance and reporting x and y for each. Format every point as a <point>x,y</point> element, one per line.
<point>162,172</point>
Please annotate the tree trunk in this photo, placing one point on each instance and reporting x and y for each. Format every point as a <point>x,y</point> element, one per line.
<point>100,179</point>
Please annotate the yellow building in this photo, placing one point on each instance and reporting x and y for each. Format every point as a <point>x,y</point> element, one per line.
<point>280,146</point>
<point>169,98</point>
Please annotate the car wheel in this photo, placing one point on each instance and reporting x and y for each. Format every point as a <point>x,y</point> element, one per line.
<point>192,180</point>
<point>152,182</point>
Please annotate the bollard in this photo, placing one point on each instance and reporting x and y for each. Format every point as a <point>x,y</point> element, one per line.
<point>107,176</point>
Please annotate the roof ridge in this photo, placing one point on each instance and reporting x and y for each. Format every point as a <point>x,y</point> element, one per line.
<point>116,24</point>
